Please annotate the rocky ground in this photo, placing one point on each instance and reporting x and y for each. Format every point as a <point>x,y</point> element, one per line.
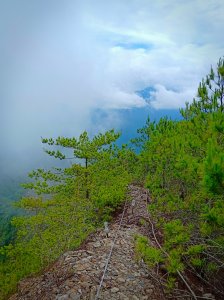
<point>77,274</point>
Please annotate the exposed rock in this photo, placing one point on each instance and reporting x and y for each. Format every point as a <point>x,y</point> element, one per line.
<point>77,274</point>
<point>122,296</point>
<point>121,280</point>
<point>114,290</point>
<point>62,297</point>
<point>133,297</point>
<point>97,244</point>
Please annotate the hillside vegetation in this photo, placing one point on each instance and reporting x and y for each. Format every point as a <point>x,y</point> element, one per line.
<point>183,167</point>
<point>69,203</point>
<point>180,162</point>
<point>10,191</point>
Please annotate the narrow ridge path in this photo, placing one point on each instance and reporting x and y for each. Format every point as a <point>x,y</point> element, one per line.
<point>77,274</point>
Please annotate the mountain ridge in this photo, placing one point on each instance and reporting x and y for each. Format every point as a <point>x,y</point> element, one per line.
<point>77,274</point>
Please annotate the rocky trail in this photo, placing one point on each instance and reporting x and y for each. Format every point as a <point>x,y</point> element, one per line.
<point>77,274</point>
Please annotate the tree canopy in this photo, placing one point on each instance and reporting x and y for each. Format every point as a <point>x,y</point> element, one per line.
<point>185,176</point>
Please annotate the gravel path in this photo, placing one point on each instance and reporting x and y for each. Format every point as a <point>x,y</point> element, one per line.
<point>77,274</point>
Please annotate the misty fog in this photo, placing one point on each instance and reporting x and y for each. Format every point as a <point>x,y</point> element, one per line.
<point>61,61</point>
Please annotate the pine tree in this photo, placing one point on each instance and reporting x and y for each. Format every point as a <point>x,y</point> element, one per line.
<point>210,97</point>
<point>184,162</point>
<point>84,151</point>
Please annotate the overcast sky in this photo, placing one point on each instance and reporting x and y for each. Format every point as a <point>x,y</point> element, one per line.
<point>62,60</point>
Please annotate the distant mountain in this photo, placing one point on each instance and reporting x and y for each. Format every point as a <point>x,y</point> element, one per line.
<point>136,118</point>
<point>131,119</point>
<point>10,191</point>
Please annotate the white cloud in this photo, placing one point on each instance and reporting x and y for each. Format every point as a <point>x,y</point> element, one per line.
<point>70,55</point>
<point>168,99</point>
<point>60,61</point>
<point>117,99</point>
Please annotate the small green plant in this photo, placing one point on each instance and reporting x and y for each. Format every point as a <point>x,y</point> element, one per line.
<point>142,222</point>
<point>149,254</point>
<point>170,283</point>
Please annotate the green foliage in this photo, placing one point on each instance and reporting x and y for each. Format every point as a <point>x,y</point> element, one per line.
<point>214,168</point>
<point>195,249</point>
<point>109,179</point>
<point>84,151</point>
<point>80,198</point>
<point>42,237</point>
<point>149,254</point>
<point>144,134</point>
<point>170,282</point>
<point>10,191</point>
<point>174,263</point>
<point>210,94</point>
<point>184,171</point>
<point>7,230</point>
<point>176,234</point>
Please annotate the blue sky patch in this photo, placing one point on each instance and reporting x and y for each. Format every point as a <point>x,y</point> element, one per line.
<point>146,92</point>
<point>134,46</point>
<point>133,119</point>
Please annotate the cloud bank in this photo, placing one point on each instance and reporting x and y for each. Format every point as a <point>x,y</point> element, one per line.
<point>62,60</point>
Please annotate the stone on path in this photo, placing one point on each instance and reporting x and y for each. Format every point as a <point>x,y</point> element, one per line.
<point>77,274</point>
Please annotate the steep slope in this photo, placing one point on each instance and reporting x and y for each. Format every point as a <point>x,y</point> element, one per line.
<point>78,274</point>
